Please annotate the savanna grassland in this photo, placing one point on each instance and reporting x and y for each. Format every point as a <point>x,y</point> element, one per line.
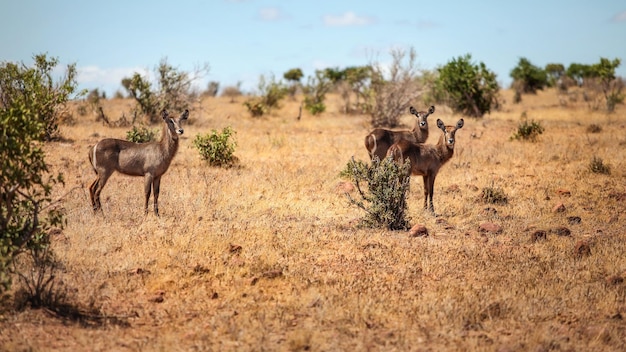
<point>269,255</point>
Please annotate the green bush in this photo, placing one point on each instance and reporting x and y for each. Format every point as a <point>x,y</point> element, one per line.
<point>494,195</point>
<point>29,103</point>
<point>140,135</point>
<point>270,95</point>
<point>597,166</point>
<point>528,130</point>
<point>467,88</point>
<point>217,148</point>
<point>387,187</point>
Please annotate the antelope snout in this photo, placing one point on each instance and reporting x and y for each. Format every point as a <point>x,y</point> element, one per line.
<point>451,141</point>
<point>180,131</point>
<point>422,123</point>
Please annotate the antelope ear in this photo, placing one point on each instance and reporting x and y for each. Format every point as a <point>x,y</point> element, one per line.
<point>164,114</point>
<point>459,124</point>
<point>441,125</point>
<point>185,115</point>
<point>412,110</point>
<point>431,110</point>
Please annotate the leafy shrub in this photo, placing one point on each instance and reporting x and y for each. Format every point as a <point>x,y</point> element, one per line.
<point>315,93</point>
<point>217,148</point>
<point>528,130</point>
<point>597,166</point>
<point>140,135</point>
<point>387,187</point>
<point>29,102</point>
<point>467,88</point>
<point>528,78</point>
<point>270,95</point>
<point>493,195</point>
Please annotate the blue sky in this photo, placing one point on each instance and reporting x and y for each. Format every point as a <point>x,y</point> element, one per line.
<point>243,39</point>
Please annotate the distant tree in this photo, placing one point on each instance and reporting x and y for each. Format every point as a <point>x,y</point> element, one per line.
<point>578,72</point>
<point>270,93</point>
<point>357,79</point>
<point>315,92</point>
<point>468,88</point>
<point>394,88</point>
<point>555,72</point>
<point>293,76</point>
<point>232,92</point>
<point>172,89</point>
<point>610,85</point>
<point>212,88</point>
<point>528,78</point>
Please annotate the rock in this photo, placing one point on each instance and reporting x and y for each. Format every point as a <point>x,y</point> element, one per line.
<point>489,227</point>
<point>418,230</point>
<point>559,208</point>
<point>573,220</point>
<point>561,231</point>
<point>344,187</point>
<point>539,235</point>
<point>614,280</point>
<point>582,249</point>
<point>563,192</point>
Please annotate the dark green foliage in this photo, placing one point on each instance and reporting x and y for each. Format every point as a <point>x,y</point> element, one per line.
<point>597,166</point>
<point>493,195</point>
<point>271,93</point>
<point>555,72</point>
<point>140,135</point>
<point>528,130</point>
<point>385,199</point>
<point>217,148</point>
<point>29,101</point>
<point>34,88</point>
<point>528,78</point>
<point>468,88</point>
<point>293,75</point>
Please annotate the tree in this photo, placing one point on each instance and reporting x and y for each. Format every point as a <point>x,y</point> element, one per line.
<point>578,72</point>
<point>172,91</point>
<point>315,92</point>
<point>34,87</point>
<point>29,100</point>
<point>468,88</point>
<point>293,76</point>
<point>555,72</point>
<point>528,78</point>
<point>610,85</point>
<point>394,88</point>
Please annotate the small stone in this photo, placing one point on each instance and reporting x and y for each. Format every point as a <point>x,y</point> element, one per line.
<point>418,230</point>
<point>559,208</point>
<point>539,235</point>
<point>582,249</point>
<point>573,220</point>
<point>563,192</point>
<point>489,227</point>
<point>561,231</point>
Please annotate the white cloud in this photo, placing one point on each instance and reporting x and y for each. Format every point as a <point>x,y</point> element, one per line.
<point>347,19</point>
<point>620,17</point>
<point>108,79</point>
<point>270,14</point>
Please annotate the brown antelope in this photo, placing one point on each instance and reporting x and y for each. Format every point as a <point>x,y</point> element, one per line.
<point>150,160</point>
<point>380,139</point>
<point>427,159</point>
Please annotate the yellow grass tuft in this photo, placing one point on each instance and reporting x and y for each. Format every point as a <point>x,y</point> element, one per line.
<point>267,256</point>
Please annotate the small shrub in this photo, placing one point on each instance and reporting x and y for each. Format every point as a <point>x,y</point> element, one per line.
<point>494,195</point>
<point>140,135</point>
<point>256,107</point>
<point>597,166</point>
<point>593,128</point>
<point>217,148</point>
<point>270,95</point>
<point>528,130</point>
<point>387,187</point>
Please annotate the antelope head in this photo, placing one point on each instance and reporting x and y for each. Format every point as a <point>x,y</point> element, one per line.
<point>449,132</point>
<point>174,125</point>
<point>422,116</point>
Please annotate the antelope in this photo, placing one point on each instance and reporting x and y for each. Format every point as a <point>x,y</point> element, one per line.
<point>150,160</point>
<point>426,159</point>
<point>380,139</point>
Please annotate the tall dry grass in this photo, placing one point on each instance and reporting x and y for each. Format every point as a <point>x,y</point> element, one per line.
<point>268,255</point>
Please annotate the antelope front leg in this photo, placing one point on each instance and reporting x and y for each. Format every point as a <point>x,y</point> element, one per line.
<point>147,189</point>
<point>431,191</point>
<point>156,187</point>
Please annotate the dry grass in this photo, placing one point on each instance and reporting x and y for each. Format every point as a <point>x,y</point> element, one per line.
<point>268,256</point>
